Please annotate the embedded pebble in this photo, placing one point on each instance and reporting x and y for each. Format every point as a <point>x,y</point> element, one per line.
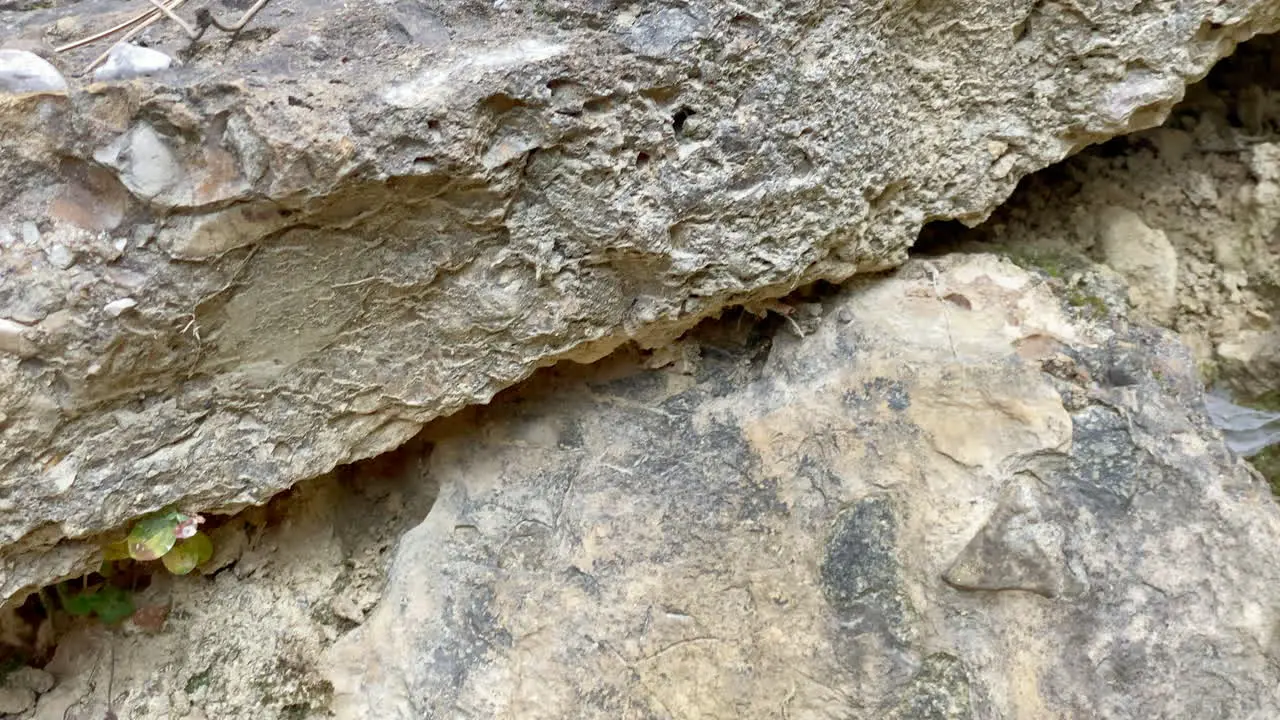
<point>30,233</point>
<point>130,61</point>
<point>11,339</point>
<point>15,700</point>
<point>26,72</point>
<point>60,256</point>
<point>116,307</point>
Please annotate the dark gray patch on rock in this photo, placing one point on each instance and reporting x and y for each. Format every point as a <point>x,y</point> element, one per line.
<point>939,691</point>
<point>860,573</point>
<point>1105,464</point>
<point>472,633</point>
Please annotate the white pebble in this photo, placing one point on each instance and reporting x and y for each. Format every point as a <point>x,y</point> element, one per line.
<point>116,307</point>
<point>26,72</point>
<point>60,257</point>
<point>130,61</point>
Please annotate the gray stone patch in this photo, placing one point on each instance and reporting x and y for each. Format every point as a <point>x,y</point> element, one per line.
<point>860,572</point>
<point>1019,548</point>
<point>661,32</point>
<point>939,691</point>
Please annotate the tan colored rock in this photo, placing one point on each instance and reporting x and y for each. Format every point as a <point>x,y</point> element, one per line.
<point>1144,257</point>
<point>957,498</point>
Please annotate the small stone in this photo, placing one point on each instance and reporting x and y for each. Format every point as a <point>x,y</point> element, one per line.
<point>31,678</point>
<point>26,72</point>
<point>30,233</point>
<point>346,607</point>
<point>1144,257</point>
<point>15,700</point>
<point>129,61</point>
<point>60,257</point>
<point>116,307</point>
<point>12,340</point>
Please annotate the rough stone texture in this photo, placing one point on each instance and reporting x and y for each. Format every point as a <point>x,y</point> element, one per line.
<point>960,496</point>
<point>295,249</point>
<point>1208,181</point>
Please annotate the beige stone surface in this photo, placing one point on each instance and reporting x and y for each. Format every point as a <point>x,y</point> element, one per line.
<point>958,497</point>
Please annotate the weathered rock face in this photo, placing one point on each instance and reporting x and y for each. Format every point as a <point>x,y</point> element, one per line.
<point>291,250</point>
<point>1189,212</point>
<point>958,497</point>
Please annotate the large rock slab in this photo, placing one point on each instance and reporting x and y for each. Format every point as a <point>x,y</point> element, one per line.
<point>960,496</point>
<point>296,246</point>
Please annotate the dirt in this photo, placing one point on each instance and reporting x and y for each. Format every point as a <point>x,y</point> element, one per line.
<point>240,638</point>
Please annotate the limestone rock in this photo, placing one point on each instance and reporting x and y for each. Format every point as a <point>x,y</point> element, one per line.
<point>357,217</point>
<point>1209,181</point>
<point>1144,256</point>
<point>26,72</point>
<point>958,497</point>
<point>127,60</point>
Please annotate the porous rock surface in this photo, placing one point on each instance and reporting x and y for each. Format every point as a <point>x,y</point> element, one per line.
<point>958,497</point>
<point>294,247</point>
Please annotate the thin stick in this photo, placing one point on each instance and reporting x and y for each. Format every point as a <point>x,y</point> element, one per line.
<point>172,5</point>
<point>191,32</point>
<point>244,19</point>
<point>105,33</point>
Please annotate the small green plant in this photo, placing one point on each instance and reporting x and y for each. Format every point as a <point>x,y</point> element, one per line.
<point>108,603</point>
<point>170,536</point>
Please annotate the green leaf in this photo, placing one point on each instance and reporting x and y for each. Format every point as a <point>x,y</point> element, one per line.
<point>75,603</point>
<point>188,554</point>
<point>112,604</point>
<point>152,537</point>
<point>118,550</point>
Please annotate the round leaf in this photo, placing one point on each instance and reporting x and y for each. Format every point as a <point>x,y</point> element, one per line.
<point>188,554</point>
<point>152,537</point>
<point>118,550</point>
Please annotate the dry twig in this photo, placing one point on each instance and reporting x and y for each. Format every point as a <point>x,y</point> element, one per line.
<point>160,9</point>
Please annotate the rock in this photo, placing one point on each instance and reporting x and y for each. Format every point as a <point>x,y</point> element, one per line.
<point>1144,256</point>
<point>60,256</point>
<point>1220,212</point>
<point>16,700</point>
<point>33,679</point>
<point>895,516</point>
<point>19,688</point>
<point>117,307</point>
<point>127,60</point>
<point>12,339</point>
<point>25,72</point>
<point>346,241</point>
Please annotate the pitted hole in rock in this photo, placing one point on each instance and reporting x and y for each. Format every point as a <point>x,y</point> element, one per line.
<point>680,117</point>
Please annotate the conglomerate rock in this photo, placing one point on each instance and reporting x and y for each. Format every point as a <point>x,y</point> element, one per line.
<point>295,246</point>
